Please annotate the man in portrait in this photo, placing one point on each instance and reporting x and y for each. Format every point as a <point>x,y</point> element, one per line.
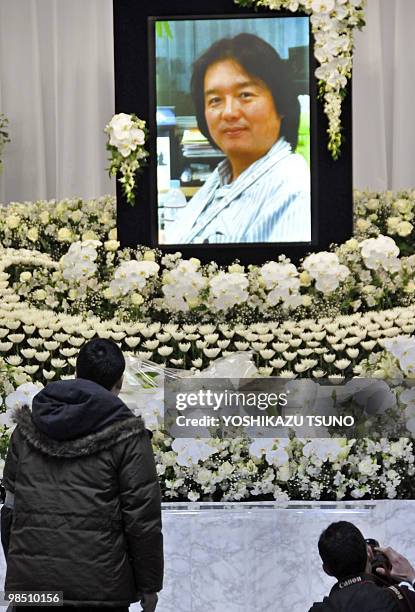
<point>247,106</point>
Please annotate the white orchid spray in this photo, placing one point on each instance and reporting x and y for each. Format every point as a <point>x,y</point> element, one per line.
<point>127,135</point>
<point>333,23</point>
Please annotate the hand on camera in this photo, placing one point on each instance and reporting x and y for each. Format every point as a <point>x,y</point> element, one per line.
<point>401,568</point>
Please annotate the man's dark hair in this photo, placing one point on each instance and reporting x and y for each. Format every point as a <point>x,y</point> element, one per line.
<point>261,61</point>
<point>343,549</point>
<point>101,361</point>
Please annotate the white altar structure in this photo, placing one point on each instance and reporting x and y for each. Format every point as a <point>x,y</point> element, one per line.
<point>263,557</point>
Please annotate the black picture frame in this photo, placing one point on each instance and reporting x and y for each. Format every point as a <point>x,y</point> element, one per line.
<point>331,180</point>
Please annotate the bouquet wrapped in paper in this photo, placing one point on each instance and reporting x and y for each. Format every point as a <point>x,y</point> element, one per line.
<point>143,386</point>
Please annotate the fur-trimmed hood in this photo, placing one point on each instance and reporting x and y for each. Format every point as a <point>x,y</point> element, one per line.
<point>69,409</point>
<point>76,417</point>
<point>86,445</point>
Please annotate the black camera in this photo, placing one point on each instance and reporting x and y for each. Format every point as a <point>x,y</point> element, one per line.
<point>379,559</point>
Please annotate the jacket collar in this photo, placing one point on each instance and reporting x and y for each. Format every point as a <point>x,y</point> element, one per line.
<point>79,447</point>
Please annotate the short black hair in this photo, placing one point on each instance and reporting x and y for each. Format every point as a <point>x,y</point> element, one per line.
<point>260,60</point>
<point>343,549</point>
<point>101,361</point>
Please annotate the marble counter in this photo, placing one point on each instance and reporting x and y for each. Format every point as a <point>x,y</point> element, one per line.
<point>263,557</point>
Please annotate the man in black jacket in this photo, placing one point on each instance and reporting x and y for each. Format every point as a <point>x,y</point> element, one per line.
<point>82,491</point>
<point>345,556</point>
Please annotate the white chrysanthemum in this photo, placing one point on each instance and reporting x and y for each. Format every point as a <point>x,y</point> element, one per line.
<point>326,270</point>
<point>228,289</point>
<point>193,496</point>
<point>205,477</point>
<point>132,276</point>
<point>381,252</point>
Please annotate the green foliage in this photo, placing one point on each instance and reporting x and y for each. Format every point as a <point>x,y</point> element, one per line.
<point>163,30</point>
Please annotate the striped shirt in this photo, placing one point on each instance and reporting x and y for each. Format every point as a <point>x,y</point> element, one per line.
<point>269,202</point>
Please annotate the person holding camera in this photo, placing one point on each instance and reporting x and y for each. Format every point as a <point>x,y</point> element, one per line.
<point>369,578</point>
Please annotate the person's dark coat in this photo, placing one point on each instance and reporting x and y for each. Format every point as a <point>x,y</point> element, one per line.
<point>366,595</point>
<point>87,508</point>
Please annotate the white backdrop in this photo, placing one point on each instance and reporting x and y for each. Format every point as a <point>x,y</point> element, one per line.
<point>57,88</point>
<point>384,97</point>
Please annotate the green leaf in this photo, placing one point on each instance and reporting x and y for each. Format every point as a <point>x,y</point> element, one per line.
<point>163,30</point>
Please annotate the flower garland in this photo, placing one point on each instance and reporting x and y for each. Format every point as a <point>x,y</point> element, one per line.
<point>332,23</point>
<point>83,271</point>
<point>93,277</point>
<point>127,135</point>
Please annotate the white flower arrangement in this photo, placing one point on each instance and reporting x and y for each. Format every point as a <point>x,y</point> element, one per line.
<point>326,270</point>
<point>380,252</point>
<point>42,224</point>
<point>43,342</point>
<point>282,279</point>
<point>227,289</point>
<point>298,320</point>
<point>333,23</point>
<point>132,276</point>
<point>127,135</point>
<point>281,469</point>
<point>78,263</point>
<point>95,277</point>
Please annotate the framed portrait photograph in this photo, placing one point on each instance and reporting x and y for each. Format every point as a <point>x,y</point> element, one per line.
<point>238,165</point>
